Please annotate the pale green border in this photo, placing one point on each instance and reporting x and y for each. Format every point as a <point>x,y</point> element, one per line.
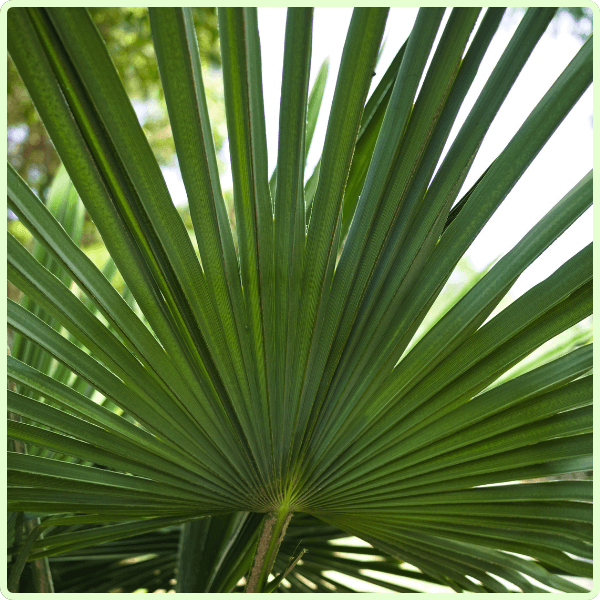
<point>91,3</point>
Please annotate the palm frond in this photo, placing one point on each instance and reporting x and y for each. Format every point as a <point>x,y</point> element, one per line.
<point>300,371</point>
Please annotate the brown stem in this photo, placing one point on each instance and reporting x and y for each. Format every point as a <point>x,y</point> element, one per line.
<point>268,545</point>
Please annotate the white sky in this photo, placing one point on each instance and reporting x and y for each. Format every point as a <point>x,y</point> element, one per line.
<point>565,159</point>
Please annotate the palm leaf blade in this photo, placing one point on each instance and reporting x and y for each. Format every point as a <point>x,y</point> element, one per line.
<point>305,359</point>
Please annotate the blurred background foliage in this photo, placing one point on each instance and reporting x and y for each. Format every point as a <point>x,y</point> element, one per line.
<point>581,17</point>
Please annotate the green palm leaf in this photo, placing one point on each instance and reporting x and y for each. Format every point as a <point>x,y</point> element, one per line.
<point>285,376</point>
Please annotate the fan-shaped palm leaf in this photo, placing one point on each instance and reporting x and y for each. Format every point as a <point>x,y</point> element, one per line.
<point>268,379</point>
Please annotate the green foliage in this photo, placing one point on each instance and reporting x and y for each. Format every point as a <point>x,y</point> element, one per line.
<point>126,31</point>
<point>263,387</point>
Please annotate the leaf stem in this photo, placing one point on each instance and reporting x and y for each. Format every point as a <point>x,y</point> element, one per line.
<point>268,545</point>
